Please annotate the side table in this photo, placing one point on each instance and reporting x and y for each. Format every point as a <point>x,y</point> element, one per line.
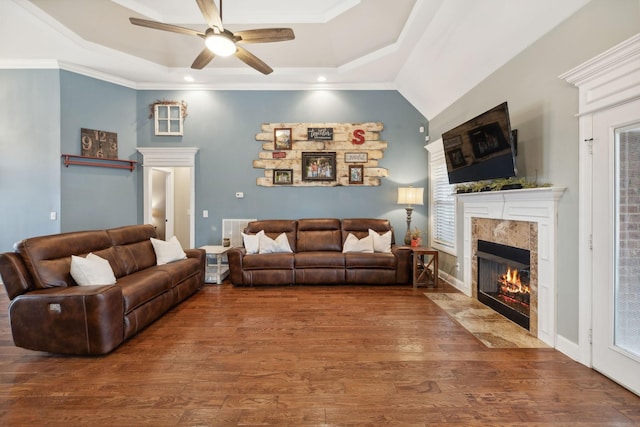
<point>216,271</point>
<point>425,266</point>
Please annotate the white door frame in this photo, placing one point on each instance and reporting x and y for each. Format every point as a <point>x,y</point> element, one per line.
<point>607,80</point>
<point>169,200</point>
<point>156,157</point>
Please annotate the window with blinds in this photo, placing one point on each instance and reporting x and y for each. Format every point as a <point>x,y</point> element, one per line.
<point>443,205</point>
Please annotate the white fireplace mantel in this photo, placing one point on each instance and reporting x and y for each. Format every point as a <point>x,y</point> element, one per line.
<point>538,205</point>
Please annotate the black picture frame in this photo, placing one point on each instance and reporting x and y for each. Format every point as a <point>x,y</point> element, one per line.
<point>282,176</point>
<point>319,166</point>
<point>356,174</point>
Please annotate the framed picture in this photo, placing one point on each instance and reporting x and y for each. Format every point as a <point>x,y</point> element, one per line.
<point>356,157</point>
<point>282,176</point>
<point>356,174</point>
<point>282,138</point>
<point>319,166</point>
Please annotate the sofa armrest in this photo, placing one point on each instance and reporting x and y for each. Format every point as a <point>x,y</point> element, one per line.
<point>235,256</point>
<point>70,320</point>
<point>405,266</point>
<point>14,274</point>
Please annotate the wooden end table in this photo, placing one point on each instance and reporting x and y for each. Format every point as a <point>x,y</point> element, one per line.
<point>216,272</point>
<point>425,266</point>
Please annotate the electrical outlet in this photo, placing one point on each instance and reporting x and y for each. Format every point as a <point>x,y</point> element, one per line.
<point>53,216</point>
<point>457,266</point>
<point>205,214</point>
<point>239,195</point>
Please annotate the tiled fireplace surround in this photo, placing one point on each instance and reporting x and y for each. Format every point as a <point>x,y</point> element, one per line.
<point>525,219</point>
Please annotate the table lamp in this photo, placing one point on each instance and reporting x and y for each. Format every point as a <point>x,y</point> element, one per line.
<point>409,196</point>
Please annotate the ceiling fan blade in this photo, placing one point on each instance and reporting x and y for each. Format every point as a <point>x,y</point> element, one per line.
<point>210,13</point>
<point>252,60</point>
<point>203,59</point>
<point>265,35</point>
<point>165,27</point>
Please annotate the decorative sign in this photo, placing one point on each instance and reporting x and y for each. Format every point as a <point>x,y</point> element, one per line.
<point>98,143</point>
<point>320,134</point>
<point>279,155</point>
<point>358,137</point>
<point>356,157</point>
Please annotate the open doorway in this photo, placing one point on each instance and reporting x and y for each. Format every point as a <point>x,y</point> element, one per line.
<point>169,191</point>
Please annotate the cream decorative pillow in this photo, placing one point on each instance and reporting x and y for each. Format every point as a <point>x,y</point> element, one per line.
<point>271,246</point>
<point>352,244</point>
<point>381,243</point>
<point>168,251</point>
<point>92,270</point>
<point>252,242</point>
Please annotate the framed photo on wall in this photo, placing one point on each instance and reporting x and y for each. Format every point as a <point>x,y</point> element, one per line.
<point>356,174</point>
<point>282,138</point>
<point>282,176</point>
<point>319,166</point>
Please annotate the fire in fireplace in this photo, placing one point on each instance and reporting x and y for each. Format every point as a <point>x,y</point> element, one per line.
<point>503,280</point>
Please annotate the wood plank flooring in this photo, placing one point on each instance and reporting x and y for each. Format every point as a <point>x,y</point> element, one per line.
<point>306,356</point>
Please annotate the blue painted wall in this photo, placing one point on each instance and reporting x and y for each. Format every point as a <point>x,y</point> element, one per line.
<point>95,197</point>
<point>29,154</point>
<point>43,111</point>
<point>223,124</point>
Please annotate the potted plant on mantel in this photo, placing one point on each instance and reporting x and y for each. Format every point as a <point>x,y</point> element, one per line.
<point>416,238</point>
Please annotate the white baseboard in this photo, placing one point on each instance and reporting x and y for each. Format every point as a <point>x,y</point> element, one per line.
<point>453,281</point>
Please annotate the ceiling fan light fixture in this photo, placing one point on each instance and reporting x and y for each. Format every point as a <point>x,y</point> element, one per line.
<point>220,44</point>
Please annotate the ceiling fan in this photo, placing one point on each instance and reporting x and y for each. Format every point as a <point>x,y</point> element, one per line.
<point>221,42</point>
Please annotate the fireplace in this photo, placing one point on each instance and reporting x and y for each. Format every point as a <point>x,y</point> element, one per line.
<point>503,281</point>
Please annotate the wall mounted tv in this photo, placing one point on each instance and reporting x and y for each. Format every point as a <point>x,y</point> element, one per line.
<point>482,148</point>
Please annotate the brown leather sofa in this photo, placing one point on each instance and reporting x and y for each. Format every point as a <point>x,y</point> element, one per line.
<point>317,256</point>
<point>50,312</point>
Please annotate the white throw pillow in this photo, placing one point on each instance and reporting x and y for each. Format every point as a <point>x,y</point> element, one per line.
<point>381,243</point>
<point>92,270</point>
<point>168,251</point>
<point>252,242</point>
<point>352,244</point>
<point>271,246</point>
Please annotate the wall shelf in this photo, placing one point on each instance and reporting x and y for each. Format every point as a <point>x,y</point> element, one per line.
<point>72,159</point>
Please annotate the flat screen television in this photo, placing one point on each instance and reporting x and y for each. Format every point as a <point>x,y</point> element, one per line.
<point>482,148</point>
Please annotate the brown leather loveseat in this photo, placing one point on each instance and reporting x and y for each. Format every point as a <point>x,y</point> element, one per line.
<point>50,312</point>
<point>317,255</point>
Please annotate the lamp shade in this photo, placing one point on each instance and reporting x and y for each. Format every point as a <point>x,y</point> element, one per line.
<point>410,196</point>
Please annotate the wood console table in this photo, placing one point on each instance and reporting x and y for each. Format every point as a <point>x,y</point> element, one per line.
<point>425,266</point>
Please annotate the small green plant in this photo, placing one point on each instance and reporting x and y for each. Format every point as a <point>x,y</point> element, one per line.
<point>416,233</point>
<point>497,185</point>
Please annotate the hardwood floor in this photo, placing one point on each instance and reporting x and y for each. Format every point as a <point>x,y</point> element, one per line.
<point>306,356</point>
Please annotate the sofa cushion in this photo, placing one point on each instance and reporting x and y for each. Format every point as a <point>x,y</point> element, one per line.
<point>180,271</point>
<point>282,261</point>
<point>267,245</point>
<point>359,227</point>
<point>48,258</point>
<point>322,259</point>
<point>167,251</point>
<point>369,260</point>
<point>353,244</point>
<point>143,286</point>
<point>381,242</point>
<point>252,242</point>
<point>321,234</point>
<point>91,270</point>
<point>133,247</point>
<point>274,227</point>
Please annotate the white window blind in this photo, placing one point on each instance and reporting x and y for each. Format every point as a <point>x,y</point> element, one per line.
<point>443,204</point>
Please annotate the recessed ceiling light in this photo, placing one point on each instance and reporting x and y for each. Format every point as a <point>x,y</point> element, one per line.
<point>322,79</point>
<point>189,79</point>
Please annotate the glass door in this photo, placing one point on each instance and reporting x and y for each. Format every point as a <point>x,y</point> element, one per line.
<point>616,244</point>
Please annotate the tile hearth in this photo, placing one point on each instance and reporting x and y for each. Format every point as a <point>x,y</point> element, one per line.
<point>491,328</point>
